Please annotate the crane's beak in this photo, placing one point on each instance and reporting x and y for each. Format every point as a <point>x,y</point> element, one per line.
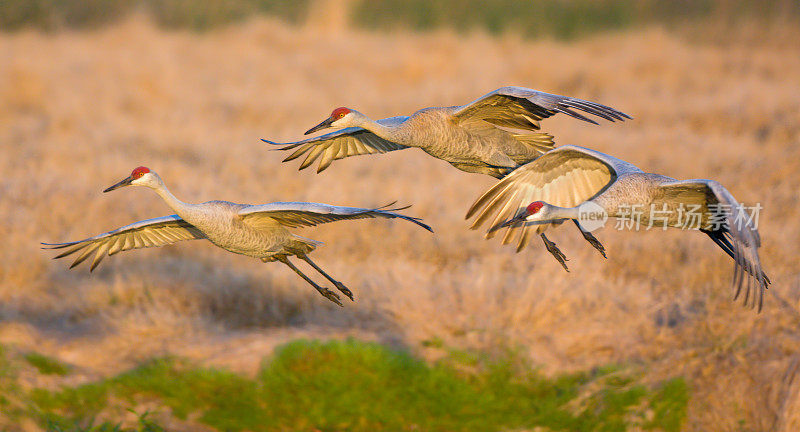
<point>125,182</point>
<point>325,124</point>
<point>518,219</point>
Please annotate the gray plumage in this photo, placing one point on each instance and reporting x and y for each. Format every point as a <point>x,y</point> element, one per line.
<point>259,231</point>
<point>492,135</point>
<point>563,179</point>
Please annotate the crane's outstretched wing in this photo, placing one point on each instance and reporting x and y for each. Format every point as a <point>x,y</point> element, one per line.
<point>522,108</point>
<point>143,234</point>
<point>332,146</point>
<point>565,177</point>
<point>731,228</point>
<point>300,214</point>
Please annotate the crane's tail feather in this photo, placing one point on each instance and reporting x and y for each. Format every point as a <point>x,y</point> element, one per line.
<point>302,245</point>
<point>540,142</point>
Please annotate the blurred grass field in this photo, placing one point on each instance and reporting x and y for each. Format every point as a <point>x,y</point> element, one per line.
<point>80,107</point>
<point>558,18</point>
<point>351,385</point>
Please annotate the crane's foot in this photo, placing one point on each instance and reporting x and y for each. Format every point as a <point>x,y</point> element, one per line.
<point>596,243</point>
<point>346,291</point>
<point>340,286</point>
<point>553,249</point>
<point>330,295</point>
<point>591,239</point>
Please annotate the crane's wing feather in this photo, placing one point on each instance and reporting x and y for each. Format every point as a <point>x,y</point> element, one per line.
<point>523,108</point>
<point>340,144</point>
<point>143,234</point>
<point>301,214</point>
<point>733,230</point>
<point>565,177</point>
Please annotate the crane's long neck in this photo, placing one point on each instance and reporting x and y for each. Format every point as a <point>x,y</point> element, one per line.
<point>557,212</point>
<point>394,134</point>
<point>180,207</point>
<point>591,213</point>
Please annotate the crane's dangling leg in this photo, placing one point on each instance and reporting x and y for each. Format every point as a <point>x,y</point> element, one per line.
<point>591,239</point>
<point>553,249</point>
<point>340,286</point>
<point>328,294</point>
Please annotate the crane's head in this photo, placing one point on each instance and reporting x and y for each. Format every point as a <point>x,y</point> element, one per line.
<point>537,212</point>
<point>340,118</point>
<point>140,176</point>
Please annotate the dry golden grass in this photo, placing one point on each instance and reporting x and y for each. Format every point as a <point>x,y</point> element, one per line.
<point>79,110</point>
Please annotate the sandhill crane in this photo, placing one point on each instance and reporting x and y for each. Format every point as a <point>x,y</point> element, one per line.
<point>259,231</point>
<point>558,185</point>
<point>492,135</point>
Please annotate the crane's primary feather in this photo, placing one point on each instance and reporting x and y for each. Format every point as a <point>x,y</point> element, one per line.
<point>143,234</point>
<point>299,214</point>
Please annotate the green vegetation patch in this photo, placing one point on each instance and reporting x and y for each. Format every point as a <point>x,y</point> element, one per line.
<point>669,405</point>
<point>10,404</point>
<point>357,386</point>
<point>195,15</point>
<point>46,365</point>
<point>563,19</point>
<point>143,424</point>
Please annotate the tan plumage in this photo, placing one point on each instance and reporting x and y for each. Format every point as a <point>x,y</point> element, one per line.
<point>565,178</point>
<point>492,135</point>
<point>341,144</point>
<point>155,232</point>
<point>260,231</point>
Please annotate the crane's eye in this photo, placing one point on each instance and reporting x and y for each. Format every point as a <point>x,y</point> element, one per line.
<point>341,115</point>
<point>139,172</point>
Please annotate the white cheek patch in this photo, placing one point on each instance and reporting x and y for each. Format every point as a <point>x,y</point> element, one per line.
<point>143,179</point>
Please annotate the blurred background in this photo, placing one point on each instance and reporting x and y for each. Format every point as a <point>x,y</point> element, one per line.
<point>449,331</point>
